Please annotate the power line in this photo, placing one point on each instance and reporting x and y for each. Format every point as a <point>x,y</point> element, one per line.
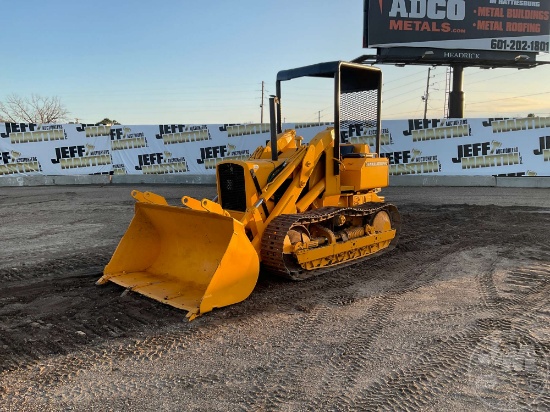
<point>508,98</point>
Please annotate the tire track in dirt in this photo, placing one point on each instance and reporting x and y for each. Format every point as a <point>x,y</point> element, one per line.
<point>520,297</point>
<point>300,329</point>
<point>415,387</point>
<point>335,285</point>
<point>436,318</point>
<point>271,391</point>
<point>345,372</point>
<point>61,314</point>
<point>341,372</point>
<point>306,309</point>
<point>43,375</point>
<point>47,376</point>
<point>315,308</point>
<point>71,365</point>
<point>360,332</point>
<point>522,283</point>
<point>509,370</point>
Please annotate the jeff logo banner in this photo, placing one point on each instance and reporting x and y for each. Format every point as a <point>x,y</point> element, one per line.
<point>504,146</point>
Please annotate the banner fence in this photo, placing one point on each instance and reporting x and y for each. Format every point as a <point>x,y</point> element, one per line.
<point>479,146</point>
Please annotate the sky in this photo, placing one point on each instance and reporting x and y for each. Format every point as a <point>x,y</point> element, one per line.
<point>204,61</point>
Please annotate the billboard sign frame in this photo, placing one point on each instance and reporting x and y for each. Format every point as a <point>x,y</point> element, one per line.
<point>520,26</point>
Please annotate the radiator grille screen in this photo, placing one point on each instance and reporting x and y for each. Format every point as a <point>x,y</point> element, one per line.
<point>232,187</point>
<point>359,114</point>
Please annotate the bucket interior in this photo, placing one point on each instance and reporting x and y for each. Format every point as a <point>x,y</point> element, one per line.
<point>189,259</point>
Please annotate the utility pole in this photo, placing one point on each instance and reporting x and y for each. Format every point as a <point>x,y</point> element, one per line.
<point>319,117</point>
<point>448,75</point>
<point>262,105</point>
<point>427,93</point>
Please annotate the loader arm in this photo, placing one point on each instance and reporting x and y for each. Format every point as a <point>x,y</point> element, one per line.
<point>299,166</point>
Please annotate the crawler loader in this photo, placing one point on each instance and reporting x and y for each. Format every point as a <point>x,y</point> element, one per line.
<point>296,209</point>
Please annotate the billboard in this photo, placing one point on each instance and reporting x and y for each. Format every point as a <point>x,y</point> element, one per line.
<point>499,25</point>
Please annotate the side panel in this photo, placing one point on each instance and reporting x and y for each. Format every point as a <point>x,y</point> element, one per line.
<point>365,173</point>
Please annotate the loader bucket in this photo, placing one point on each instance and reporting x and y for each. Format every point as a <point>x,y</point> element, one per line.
<point>189,259</point>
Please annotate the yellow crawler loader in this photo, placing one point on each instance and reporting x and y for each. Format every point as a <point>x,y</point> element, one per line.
<point>298,209</point>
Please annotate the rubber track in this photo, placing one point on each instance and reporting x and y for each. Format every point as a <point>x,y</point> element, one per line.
<point>274,235</point>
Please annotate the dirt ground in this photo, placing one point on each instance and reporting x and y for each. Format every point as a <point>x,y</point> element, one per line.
<point>456,318</point>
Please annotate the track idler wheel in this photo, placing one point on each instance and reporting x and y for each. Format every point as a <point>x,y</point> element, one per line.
<point>381,222</point>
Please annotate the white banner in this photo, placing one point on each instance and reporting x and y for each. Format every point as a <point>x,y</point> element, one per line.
<point>515,147</point>
<point>512,147</point>
<point>52,149</point>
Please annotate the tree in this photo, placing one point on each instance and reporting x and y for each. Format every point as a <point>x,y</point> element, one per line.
<point>107,122</point>
<point>34,109</point>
